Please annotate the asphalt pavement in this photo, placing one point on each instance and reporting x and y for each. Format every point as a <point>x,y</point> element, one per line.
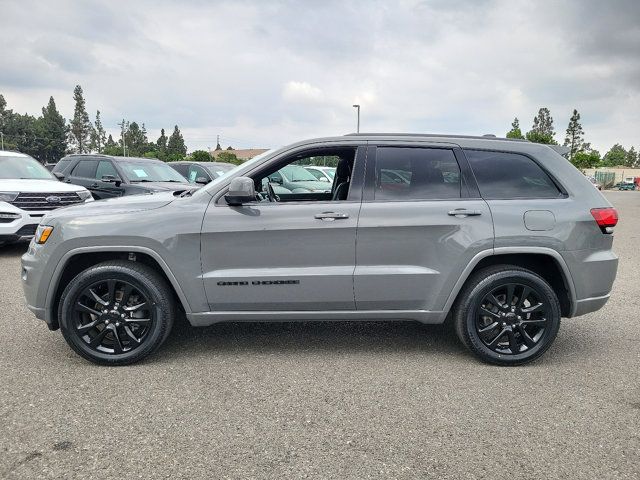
<point>327,400</point>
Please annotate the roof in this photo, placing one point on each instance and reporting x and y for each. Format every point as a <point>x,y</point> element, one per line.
<point>11,153</point>
<point>436,135</point>
<point>204,164</point>
<point>242,154</point>
<point>115,158</point>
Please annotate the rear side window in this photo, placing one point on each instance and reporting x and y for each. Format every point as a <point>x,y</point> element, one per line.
<point>85,169</point>
<point>416,174</point>
<point>502,175</point>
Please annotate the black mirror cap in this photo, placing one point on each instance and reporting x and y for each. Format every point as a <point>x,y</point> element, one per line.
<point>58,175</point>
<point>238,200</point>
<point>202,180</point>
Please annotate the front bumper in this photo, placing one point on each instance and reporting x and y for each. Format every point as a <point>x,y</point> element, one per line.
<point>21,228</point>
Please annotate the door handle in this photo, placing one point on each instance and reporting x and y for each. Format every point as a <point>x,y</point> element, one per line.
<point>463,212</point>
<point>330,216</point>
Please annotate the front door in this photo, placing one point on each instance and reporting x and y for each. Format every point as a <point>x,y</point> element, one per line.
<point>421,223</point>
<point>297,253</point>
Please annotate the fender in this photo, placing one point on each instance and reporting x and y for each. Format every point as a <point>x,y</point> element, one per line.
<point>57,273</point>
<point>568,280</point>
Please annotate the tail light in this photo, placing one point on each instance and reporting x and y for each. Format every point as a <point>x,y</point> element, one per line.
<point>606,218</point>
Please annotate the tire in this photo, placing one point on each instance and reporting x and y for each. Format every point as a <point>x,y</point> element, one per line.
<point>99,328</point>
<point>507,315</point>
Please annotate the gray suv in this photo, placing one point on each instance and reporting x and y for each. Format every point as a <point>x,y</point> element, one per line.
<point>501,238</point>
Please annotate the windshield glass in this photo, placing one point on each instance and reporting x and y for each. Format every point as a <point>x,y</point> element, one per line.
<point>150,172</point>
<point>296,173</point>
<point>23,167</point>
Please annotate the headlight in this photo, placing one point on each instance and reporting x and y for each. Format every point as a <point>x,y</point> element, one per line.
<point>84,194</point>
<point>42,233</point>
<point>8,196</point>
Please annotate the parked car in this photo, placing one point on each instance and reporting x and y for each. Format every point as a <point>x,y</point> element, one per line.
<point>324,174</point>
<point>27,192</point>
<point>503,237</point>
<point>625,186</point>
<point>201,172</point>
<point>298,179</point>
<point>106,177</point>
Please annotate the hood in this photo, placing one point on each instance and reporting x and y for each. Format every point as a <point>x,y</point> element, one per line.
<point>167,186</point>
<point>126,204</point>
<point>37,186</point>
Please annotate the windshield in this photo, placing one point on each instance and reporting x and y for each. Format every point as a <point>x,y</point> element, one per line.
<point>296,173</point>
<point>23,167</point>
<point>219,170</point>
<point>150,172</point>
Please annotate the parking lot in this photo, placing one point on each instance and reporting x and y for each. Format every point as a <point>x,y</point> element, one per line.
<point>327,400</point>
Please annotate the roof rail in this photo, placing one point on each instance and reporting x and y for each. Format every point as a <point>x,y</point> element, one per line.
<point>435,135</point>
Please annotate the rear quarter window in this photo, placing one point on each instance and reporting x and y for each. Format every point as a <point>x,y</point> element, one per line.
<point>502,175</point>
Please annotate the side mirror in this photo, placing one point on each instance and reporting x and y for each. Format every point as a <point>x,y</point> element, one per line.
<point>241,190</point>
<point>58,175</point>
<point>111,179</point>
<point>202,180</point>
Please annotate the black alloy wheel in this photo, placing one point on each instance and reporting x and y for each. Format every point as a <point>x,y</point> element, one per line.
<point>507,315</point>
<point>116,312</point>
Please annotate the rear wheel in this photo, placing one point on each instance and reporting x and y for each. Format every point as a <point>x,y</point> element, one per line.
<point>116,313</point>
<point>507,315</point>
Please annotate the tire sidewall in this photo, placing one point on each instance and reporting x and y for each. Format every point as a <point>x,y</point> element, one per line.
<point>100,273</point>
<point>494,281</point>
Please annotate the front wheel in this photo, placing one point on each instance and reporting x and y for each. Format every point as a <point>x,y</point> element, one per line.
<point>507,315</point>
<point>116,313</point>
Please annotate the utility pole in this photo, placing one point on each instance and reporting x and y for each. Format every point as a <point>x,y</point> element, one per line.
<point>2,139</point>
<point>124,144</point>
<point>358,125</point>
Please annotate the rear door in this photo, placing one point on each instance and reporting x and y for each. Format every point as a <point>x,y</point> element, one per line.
<point>102,189</point>
<point>422,221</point>
<point>84,173</point>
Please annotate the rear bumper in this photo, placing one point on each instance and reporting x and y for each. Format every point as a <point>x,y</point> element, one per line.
<point>588,305</point>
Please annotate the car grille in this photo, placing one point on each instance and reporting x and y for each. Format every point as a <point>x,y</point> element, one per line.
<point>45,201</point>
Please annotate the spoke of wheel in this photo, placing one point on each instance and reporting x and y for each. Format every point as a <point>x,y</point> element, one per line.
<point>117,344</point>
<point>513,344</point>
<point>126,293</point>
<point>486,311</point>
<point>509,299</point>
<point>532,309</point>
<point>528,341</point>
<point>134,308</point>
<point>523,296</point>
<point>140,321</point>
<point>87,327</point>
<point>491,297</point>
<point>91,293</point>
<point>537,321</point>
<point>111,297</point>
<point>83,308</point>
<point>97,340</point>
<point>130,334</point>
<point>495,340</point>
<point>488,327</point>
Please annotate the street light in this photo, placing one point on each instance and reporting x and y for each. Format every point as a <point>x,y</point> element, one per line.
<point>358,127</point>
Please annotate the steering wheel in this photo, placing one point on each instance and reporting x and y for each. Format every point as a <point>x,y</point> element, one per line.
<point>271,193</point>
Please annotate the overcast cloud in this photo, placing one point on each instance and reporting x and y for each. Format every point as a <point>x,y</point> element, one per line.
<point>268,73</point>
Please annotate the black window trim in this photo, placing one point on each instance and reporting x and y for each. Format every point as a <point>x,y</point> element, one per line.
<point>563,191</point>
<point>468,187</point>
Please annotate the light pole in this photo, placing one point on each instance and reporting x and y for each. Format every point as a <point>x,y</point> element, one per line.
<point>2,139</point>
<point>358,125</point>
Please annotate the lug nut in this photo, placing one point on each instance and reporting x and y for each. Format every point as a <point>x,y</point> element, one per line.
<point>107,322</point>
<point>117,324</point>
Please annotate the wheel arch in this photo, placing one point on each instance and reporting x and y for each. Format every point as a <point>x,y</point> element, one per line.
<point>79,259</point>
<point>546,262</point>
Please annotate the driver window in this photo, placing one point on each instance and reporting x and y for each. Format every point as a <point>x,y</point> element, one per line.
<point>314,176</point>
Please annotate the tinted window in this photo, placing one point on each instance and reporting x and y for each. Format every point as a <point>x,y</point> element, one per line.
<point>85,169</point>
<point>416,173</point>
<point>181,168</point>
<point>510,175</point>
<point>105,167</point>
<point>195,172</point>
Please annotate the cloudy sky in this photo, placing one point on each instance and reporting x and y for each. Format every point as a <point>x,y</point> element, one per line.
<point>267,73</point>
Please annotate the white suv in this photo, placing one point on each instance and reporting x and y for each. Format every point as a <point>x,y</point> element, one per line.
<point>27,192</point>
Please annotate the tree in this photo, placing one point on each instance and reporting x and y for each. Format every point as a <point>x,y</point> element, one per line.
<point>574,138</point>
<point>161,145</point>
<point>176,149</point>
<point>515,131</point>
<point>542,130</point>
<point>201,156</point>
<point>632,158</point>
<point>51,134</point>
<point>111,147</point>
<point>614,157</point>
<point>80,130</point>
<point>586,159</point>
<point>136,140</point>
<point>98,135</point>
<point>228,157</point>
